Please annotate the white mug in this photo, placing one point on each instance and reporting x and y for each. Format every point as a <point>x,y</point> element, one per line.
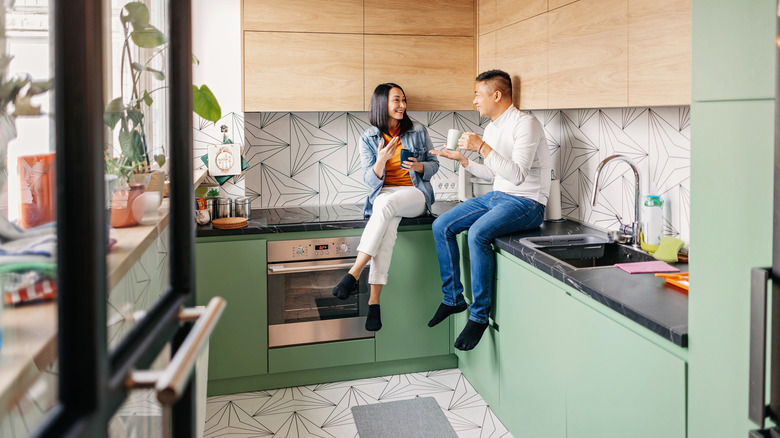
<point>453,135</point>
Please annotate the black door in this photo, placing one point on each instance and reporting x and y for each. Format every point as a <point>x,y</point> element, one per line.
<point>93,378</point>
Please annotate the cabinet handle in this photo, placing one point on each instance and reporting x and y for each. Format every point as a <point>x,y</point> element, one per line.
<point>170,382</point>
<point>756,392</point>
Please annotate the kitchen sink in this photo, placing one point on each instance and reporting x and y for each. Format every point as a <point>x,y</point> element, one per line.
<point>581,251</point>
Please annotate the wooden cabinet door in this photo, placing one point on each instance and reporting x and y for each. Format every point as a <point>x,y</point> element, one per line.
<point>436,72</point>
<point>415,17</point>
<point>486,16</point>
<point>522,51</point>
<point>588,61</point>
<point>303,72</point>
<point>659,52</point>
<point>486,52</point>
<point>513,11</point>
<point>342,16</point>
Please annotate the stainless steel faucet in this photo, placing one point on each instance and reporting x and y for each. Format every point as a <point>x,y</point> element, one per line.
<point>635,226</point>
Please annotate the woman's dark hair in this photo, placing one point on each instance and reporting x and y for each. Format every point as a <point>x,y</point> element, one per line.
<point>378,115</point>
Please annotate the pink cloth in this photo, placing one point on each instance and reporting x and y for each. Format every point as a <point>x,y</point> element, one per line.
<point>646,267</point>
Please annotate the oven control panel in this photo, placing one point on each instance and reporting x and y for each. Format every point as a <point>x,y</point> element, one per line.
<point>312,249</point>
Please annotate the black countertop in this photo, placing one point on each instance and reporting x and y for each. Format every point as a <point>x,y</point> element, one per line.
<point>643,298</point>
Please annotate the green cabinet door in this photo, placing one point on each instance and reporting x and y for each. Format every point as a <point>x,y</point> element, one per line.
<point>481,365</point>
<point>235,271</point>
<point>409,300</point>
<point>618,383</point>
<point>533,362</point>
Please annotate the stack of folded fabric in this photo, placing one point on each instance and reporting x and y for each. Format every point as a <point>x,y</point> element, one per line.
<point>28,263</point>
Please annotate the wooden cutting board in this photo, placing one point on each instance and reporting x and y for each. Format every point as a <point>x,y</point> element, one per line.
<point>229,223</point>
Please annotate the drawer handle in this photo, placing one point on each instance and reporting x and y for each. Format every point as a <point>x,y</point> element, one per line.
<point>170,382</point>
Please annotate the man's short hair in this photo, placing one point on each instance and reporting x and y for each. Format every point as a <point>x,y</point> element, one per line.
<point>497,80</point>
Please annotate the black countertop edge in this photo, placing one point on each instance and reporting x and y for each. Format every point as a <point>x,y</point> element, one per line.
<point>643,298</point>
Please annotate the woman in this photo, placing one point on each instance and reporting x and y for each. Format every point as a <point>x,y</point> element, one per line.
<point>398,189</point>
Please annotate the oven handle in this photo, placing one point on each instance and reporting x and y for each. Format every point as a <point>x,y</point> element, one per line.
<point>281,269</point>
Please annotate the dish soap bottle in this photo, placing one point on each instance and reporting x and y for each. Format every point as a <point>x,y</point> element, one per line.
<point>653,223</point>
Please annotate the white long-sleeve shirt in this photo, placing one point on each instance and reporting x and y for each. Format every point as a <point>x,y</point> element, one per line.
<point>519,164</point>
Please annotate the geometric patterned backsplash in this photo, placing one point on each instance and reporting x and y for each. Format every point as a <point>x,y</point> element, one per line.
<point>311,158</point>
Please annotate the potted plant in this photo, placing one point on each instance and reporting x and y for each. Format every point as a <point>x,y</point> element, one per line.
<point>127,111</point>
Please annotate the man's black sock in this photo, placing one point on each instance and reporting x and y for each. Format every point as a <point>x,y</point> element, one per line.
<point>374,318</point>
<point>444,311</point>
<point>470,336</point>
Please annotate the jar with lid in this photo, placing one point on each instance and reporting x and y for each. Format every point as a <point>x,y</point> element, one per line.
<point>653,226</point>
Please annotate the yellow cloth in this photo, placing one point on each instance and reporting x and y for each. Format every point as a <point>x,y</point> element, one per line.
<point>395,175</point>
<point>667,250</point>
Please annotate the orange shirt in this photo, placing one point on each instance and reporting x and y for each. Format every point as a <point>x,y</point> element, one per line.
<point>395,175</point>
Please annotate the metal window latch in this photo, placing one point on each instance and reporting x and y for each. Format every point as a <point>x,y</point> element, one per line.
<point>170,382</point>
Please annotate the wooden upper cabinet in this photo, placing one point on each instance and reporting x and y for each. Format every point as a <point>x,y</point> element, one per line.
<point>436,72</point>
<point>342,16</point>
<point>303,72</point>
<point>420,17</point>
<point>486,16</point>
<point>514,11</point>
<point>555,4</point>
<point>486,52</point>
<point>523,50</point>
<point>659,52</point>
<point>588,55</point>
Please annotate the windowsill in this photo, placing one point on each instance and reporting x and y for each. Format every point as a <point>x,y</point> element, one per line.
<point>29,344</point>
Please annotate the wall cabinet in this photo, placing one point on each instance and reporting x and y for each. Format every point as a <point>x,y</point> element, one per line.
<point>286,71</point>
<point>343,16</point>
<point>659,52</point>
<point>414,17</point>
<point>589,53</point>
<point>436,72</point>
<point>298,57</point>
<point>562,368</point>
<point>239,343</point>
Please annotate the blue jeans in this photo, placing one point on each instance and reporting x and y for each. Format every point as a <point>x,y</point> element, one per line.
<point>486,217</point>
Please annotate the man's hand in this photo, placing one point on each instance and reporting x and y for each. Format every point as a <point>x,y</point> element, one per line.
<point>452,155</point>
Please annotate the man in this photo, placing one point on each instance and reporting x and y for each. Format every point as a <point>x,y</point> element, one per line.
<point>517,162</point>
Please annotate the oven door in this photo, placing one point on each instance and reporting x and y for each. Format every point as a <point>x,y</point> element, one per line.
<point>303,310</point>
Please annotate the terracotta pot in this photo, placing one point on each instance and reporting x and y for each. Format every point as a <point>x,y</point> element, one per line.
<point>125,212</point>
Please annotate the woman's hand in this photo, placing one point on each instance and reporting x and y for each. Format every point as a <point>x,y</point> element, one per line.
<point>414,165</point>
<point>452,155</point>
<point>384,153</point>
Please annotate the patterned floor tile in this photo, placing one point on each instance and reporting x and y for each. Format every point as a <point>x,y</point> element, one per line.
<point>325,410</point>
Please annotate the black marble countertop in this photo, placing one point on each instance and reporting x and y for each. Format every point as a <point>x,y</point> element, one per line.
<point>314,218</point>
<point>643,298</point>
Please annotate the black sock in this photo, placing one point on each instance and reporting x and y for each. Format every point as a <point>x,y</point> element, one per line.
<point>470,336</point>
<point>346,287</point>
<point>374,318</point>
<point>444,311</point>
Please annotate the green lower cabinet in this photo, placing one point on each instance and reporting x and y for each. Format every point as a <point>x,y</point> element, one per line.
<point>326,355</point>
<point>409,300</point>
<point>480,365</point>
<point>533,362</point>
<point>618,383</point>
<point>235,270</point>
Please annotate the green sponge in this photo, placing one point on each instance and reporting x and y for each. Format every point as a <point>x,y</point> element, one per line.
<point>667,250</point>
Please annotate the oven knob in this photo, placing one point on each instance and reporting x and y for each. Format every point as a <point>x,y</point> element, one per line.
<point>300,250</point>
<point>343,248</point>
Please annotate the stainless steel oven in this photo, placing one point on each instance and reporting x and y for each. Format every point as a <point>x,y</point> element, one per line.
<point>301,307</point>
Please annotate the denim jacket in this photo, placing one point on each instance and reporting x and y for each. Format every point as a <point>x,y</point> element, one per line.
<point>415,140</point>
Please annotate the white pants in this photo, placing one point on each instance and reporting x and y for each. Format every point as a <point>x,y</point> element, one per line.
<point>378,239</point>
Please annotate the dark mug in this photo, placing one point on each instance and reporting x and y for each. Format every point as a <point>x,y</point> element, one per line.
<point>405,154</point>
